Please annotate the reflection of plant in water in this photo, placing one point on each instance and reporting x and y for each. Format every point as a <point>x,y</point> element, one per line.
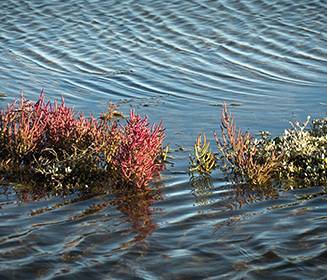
<point>245,194</point>
<point>202,189</point>
<point>135,204</point>
<point>322,192</point>
<point>48,146</point>
<point>297,158</point>
<point>138,208</point>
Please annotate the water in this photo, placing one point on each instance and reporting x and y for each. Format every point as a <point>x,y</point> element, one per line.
<point>177,61</point>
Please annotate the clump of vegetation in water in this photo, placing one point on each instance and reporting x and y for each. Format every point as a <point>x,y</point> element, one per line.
<point>303,150</point>
<point>48,145</point>
<point>297,158</point>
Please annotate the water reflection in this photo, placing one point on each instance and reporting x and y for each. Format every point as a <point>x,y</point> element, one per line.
<point>135,204</point>
<point>246,194</point>
<point>242,193</point>
<point>202,189</point>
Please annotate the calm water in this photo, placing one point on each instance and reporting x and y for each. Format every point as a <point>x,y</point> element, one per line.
<point>177,61</point>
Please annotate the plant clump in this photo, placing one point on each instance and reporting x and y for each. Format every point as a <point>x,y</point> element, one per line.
<point>203,161</point>
<point>304,154</point>
<point>296,158</point>
<point>50,146</point>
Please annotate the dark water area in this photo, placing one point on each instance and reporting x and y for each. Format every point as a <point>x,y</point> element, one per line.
<point>176,61</point>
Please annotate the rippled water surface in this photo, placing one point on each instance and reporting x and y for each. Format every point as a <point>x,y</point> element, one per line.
<point>177,61</point>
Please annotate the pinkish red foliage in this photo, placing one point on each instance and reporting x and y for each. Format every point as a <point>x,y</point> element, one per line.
<point>65,128</point>
<point>22,128</point>
<point>28,130</point>
<point>139,151</point>
<point>62,123</point>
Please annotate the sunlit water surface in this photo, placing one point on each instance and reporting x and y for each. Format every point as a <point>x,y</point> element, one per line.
<point>176,61</point>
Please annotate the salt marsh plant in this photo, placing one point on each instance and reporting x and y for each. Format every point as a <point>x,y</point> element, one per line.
<point>304,154</point>
<point>139,151</point>
<point>296,158</point>
<point>50,145</point>
<point>203,161</point>
<point>240,154</point>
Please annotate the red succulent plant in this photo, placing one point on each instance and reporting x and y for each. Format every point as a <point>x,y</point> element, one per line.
<point>139,151</point>
<point>49,141</point>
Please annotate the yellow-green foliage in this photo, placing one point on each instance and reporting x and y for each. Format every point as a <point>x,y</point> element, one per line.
<point>203,161</point>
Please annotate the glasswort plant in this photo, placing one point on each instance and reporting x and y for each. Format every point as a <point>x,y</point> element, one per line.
<point>50,146</point>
